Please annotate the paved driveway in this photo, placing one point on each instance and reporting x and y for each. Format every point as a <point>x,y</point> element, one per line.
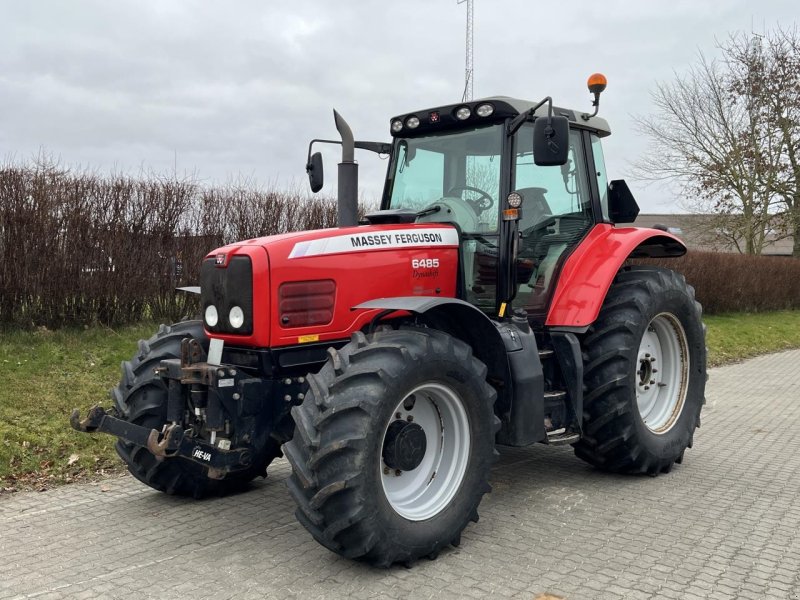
<point>724,524</point>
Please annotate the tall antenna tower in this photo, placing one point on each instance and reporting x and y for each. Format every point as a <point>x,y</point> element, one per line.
<point>468,71</point>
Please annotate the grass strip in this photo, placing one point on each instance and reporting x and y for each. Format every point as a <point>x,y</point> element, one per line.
<point>45,374</point>
<point>737,336</point>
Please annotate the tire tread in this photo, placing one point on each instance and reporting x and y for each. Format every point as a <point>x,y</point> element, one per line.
<point>342,397</point>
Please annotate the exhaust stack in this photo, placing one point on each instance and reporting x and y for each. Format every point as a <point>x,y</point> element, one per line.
<point>348,176</point>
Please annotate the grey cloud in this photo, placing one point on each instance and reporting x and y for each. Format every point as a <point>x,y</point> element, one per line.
<point>242,87</point>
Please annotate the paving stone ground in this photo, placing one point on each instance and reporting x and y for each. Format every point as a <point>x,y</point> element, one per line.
<point>724,524</point>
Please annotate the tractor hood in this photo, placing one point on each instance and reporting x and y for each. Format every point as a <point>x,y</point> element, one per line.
<point>303,286</point>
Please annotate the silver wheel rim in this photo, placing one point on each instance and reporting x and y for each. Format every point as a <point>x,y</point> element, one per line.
<point>428,489</point>
<point>662,373</point>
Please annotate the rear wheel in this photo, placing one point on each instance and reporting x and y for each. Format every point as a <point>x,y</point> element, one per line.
<point>393,446</point>
<point>644,374</point>
<point>141,398</point>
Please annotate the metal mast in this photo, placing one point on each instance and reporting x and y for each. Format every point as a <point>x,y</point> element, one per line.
<point>468,71</point>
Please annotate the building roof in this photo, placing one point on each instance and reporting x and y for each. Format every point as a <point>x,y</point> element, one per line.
<point>701,232</point>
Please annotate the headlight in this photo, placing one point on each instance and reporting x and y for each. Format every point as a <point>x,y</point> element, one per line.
<point>397,125</point>
<point>484,110</point>
<point>463,113</point>
<point>212,317</point>
<point>412,122</point>
<point>514,199</point>
<point>236,317</point>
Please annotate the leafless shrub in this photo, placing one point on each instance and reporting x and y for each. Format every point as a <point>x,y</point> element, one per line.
<point>80,247</point>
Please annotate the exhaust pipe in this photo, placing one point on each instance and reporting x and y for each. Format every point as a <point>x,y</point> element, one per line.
<point>348,176</point>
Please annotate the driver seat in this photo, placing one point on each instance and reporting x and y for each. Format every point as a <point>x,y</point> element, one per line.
<point>534,207</point>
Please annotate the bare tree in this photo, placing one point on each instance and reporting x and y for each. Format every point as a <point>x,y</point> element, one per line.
<point>781,91</point>
<point>728,132</point>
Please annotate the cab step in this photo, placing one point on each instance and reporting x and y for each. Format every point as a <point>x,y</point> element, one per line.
<point>560,437</point>
<point>555,395</point>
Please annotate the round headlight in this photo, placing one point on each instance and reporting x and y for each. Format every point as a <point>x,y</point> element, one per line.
<point>397,125</point>
<point>484,110</point>
<point>463,113</point>
<point>412,122</point>
<point>212,317</point>
<point>236,317</point>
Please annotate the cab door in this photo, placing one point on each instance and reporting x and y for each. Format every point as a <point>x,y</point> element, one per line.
<point>557,214</point>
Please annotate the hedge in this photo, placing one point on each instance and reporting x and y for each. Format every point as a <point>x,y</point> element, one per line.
<point>726,282</point>
<point>80,248</point>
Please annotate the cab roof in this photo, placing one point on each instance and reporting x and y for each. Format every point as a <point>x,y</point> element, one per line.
<point>444,117</point>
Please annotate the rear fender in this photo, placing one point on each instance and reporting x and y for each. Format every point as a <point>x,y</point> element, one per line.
<point>590,269</point>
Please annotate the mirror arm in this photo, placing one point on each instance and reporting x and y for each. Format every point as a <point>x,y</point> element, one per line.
<point>377,147</point>
<point>522,117</point>
<point>311,146</point>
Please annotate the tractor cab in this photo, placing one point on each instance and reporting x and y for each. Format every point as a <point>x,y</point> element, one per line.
<point>523,183</point>
<point>474,165</point>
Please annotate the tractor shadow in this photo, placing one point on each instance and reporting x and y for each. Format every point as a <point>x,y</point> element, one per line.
<point>530,487</point>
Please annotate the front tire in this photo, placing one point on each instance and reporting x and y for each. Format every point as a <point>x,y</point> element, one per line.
<point>393,446</point>
<point>141,398</point>
<point>644,374</point>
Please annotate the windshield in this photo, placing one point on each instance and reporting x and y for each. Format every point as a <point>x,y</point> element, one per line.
<point>456,175</point>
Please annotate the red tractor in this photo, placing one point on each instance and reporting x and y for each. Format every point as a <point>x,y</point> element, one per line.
<point>488,302</point>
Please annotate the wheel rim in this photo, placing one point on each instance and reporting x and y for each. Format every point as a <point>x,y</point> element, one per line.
<point>426,490</point>
<point>662,373</point>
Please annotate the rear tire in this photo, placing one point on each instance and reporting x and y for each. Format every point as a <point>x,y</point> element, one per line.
<point>380,488</point>
<point>141,398</point>
<point>644,374</point>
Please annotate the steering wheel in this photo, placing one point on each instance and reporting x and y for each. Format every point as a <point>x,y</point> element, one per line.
<point>479,205</point>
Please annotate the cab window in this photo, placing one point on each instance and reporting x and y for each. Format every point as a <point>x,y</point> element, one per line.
<point>601,175</point>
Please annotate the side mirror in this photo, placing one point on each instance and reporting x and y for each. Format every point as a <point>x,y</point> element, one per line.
<point>315,172</point>
<point>622,206</point>
<point>550,141</point>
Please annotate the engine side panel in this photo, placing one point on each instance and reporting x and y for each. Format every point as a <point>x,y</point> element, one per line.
<point>588,272</point>
<point>366,263</point>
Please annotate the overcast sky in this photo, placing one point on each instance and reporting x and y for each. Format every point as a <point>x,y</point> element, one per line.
<point>223,89</point>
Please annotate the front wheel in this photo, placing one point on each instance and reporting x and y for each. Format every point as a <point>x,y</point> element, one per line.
<point>644,374</point>
<point>393,446</point>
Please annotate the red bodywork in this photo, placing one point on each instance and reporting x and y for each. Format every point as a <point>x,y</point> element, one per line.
<point>588,272</point>
<point>386,266</point>
<point>385,263</point>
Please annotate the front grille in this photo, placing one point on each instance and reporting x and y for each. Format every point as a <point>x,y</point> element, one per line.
<point>226,287</point>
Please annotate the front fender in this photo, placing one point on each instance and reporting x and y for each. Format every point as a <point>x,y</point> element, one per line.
<point>588,272</point>
<point>458,318</point>
<point>508,351</point>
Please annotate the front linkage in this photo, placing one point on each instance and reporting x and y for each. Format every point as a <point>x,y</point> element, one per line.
<point>173,441</point>
<point>215,415</point>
